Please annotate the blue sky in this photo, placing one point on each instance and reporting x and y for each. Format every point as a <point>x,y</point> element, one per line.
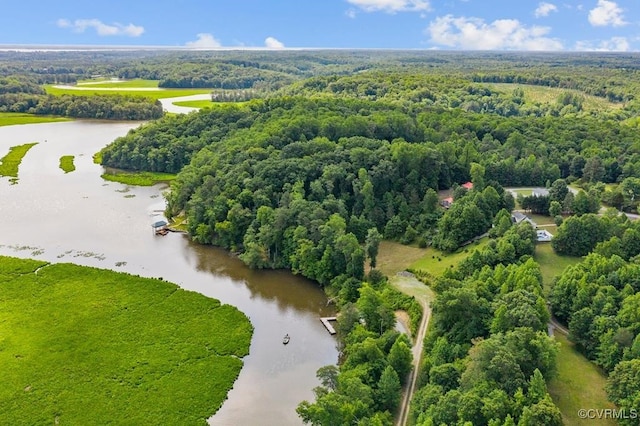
<point>558,25</point>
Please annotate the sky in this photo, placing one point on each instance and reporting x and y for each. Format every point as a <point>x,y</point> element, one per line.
<point>520,25</point>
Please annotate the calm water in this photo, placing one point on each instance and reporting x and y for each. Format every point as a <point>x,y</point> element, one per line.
<point>80,218</point>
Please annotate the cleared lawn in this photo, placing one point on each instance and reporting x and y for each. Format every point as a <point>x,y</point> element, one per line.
<point>579,384</point>
<point>436,262</point>
<point>90,346</point>
<point>551,264</point>
<point>13,118</point>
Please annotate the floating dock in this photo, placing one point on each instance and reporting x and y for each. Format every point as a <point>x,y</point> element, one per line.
<point>327,325</point>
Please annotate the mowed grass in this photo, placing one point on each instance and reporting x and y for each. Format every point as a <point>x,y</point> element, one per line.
<point>14,118</point>
<point>152,94</point>
<point>137,178</point>
<point>82,345</point>
<point>10,163</point>
<point>551,264</point>
<point>435,262</point>
<point>549,95</point>
<point>578,385</point>
<point>66,163</point>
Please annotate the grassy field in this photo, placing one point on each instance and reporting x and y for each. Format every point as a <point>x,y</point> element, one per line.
<point>436,262</point>
<point>13,118</point>
<point>153,94</point>
<point>10,163</point>
<point>66,163</point>
<point>137,178</point>
<point>579,384</point>
<point>549,95</point>
<point>551,264</point>
<point>82,345</point>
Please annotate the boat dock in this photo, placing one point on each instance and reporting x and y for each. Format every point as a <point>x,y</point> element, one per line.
<point>327,325</point>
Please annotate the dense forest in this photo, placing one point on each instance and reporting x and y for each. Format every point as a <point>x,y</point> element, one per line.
<point>332,152</point>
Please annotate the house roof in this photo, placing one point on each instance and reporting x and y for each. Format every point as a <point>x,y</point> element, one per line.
<point>447,200</point>
<point>468,185</point>
<point>519,216</point>
<point>540,192</point>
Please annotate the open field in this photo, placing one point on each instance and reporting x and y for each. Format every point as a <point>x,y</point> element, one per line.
<point>436,262</point>
<point>107,91</point>
<point>89,346</point>
<point>551,264</point>
<point>394,257</point>
<point>579,384</point>
<point>549,95</point>
<point>13,118</point>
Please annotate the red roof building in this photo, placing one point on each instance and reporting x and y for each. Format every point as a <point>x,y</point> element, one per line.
<point>467,185</point>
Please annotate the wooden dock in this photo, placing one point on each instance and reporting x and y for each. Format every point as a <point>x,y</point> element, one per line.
<point>327,325</point>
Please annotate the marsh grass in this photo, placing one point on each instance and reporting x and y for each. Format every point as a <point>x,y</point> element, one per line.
<point>89,346</point>
<point>14,118</point>
<point>66,163</point>
<point>151,94</point>
<point>10,163</point>
<point>137,178</point>
<point>118,84</point>
<point>196,104</point>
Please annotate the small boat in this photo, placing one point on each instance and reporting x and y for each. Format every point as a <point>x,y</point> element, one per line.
<point>286,339</point>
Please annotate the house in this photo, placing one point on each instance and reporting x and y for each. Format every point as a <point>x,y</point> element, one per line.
<point>467,185</point>
<point>446,202</point>
<point>518,217</point>
<point>542,235</point>
<point>540,192</point>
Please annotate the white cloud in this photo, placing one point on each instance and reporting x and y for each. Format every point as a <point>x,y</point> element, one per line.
<point>351,13</point>
<point>614,44</point>
<point>544,9</point>
<point>273,43</point>
<point>391,6</point>
<point>606,13</point>
<point>102,29</point>
<point>204,41</point>
<point>475,34</point>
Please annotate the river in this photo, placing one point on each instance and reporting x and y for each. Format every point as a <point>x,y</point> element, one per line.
<point>80,218</point>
